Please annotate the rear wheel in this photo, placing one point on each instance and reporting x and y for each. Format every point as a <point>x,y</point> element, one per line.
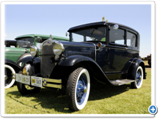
<point>138,78</point>
<point>78,88</point>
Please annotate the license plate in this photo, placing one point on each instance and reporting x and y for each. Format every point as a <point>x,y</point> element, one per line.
<point>36,81</point>
<point>23,79</point>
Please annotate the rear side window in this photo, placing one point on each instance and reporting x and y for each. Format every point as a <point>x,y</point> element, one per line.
<point>117,36</point>
<point>131,39</point>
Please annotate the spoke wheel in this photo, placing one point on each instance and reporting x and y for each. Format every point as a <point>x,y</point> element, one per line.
<point>138,78</point>
<point>78,88</point>
<point>81,90</point>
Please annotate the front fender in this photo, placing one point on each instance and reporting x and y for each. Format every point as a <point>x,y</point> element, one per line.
<point>72,60</point>
<point>90,64</point>
<point>11,63</point>
<point>30,60</point>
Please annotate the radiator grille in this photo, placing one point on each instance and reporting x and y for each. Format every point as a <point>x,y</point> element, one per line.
<point>47,58</point>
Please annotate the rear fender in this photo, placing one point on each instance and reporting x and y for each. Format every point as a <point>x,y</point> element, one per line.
<point>134,64</point>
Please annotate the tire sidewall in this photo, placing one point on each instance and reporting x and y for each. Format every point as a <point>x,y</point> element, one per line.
<point>135,83</point>
<point>85,71</point>
<point>13,72</point>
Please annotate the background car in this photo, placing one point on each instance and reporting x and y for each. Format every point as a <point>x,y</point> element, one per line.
<point>20,50</point>
<point>10,43</point>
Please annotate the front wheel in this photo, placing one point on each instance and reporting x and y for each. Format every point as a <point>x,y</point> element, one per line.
<point>9,80</point>
<point>26,89</point>
<point>138,78</point>
<point>78,88</point>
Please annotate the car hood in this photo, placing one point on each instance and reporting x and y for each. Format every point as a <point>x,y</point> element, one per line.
<point>79,48</point>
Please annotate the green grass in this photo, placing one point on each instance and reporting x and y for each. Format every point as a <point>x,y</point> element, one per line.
<point>103,99</point>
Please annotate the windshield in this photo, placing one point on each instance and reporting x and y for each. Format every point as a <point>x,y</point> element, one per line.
<point>89,34</point>
<point>25,42</point>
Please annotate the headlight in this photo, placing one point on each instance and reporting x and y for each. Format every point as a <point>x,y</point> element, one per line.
<point>34,50</point>
<point>26,69</point>
<point>58,48</point>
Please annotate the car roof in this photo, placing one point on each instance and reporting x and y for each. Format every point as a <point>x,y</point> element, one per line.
<point>102,23</point>
<point>42,36</point>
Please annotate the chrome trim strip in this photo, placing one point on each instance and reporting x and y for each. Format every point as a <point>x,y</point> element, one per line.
<point>52,80</point>
<point>53,86</point>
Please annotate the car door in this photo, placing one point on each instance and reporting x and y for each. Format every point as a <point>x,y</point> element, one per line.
<point>117,51</point>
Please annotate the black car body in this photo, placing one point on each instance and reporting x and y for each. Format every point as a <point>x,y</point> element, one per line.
<point>107,52</point>
<point>9,43</point>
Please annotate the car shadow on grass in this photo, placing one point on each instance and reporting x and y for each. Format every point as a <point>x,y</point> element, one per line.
<point>56,99</point>
<point>101,91</point>
<point>147,66</point>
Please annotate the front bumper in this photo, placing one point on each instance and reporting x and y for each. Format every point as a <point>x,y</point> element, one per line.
<point>38,81</point>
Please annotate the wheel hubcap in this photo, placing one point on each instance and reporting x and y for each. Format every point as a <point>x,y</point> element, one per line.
<point>81,90</point>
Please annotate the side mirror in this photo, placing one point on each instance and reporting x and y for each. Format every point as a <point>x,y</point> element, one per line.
<point>39,39</point>
<point>115,27</point>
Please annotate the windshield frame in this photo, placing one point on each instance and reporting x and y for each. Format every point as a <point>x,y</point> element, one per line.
<point>22,39</point>
<point>98,26</point>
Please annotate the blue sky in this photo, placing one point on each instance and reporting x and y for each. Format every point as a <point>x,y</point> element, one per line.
<point>57,19</point>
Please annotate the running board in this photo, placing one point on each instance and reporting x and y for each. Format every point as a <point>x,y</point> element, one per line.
<point>121,82</point>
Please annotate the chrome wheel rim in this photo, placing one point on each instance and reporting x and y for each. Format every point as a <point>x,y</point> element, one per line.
<point>81,89</point>
<point>139,77</point>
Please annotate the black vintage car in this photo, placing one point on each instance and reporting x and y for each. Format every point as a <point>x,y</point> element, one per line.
<point>107,52</point>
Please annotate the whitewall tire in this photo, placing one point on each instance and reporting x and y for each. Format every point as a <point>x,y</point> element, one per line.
<point>9,72</point>
<point>78,89</point>
<point>138,78</point>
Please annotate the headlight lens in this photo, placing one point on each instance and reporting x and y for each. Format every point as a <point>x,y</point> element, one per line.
<point>26,69</point>
<point>58,48</point>
<point>34,51</point>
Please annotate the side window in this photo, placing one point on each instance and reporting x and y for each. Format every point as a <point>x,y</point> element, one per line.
<point>131,39</point>
<point>77,37</point>
<point>117,36</point>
